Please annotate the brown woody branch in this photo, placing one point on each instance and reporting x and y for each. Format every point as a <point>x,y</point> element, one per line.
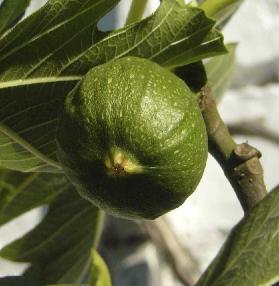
<point>253,128</point>
<point>240,162</point>
<point>180,259</point>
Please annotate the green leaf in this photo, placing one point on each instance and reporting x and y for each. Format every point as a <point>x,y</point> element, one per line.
<point>11,12</point>
<point>59,248</point>
<point>28,121</point>
<point>48,53</point>
<point>100,274</point>
<point>219,71</point>
<point>221,11</point>
<point>250,254</point>
<point>21,192</point>
<point>32,91</point>
<point>175,35</point>
<point>57,33</point>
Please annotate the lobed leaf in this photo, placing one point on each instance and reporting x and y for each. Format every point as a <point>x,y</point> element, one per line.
<point>28,121</point>
<point>21,192</point>
<point>99,276</point>
<point>11,12</point>
<point>250,254</point>
<point>31,90</point>
<point>175,35</point>
<point>48,53</point>
<point>47,40</point>
<point>59,247</point>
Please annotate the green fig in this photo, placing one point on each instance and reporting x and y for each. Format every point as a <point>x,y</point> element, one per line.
<point>132,139</point>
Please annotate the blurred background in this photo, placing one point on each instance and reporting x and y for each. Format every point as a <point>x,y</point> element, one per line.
<point>183,242</point>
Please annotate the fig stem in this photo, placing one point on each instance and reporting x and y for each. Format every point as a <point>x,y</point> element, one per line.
<point>212,7</point>
<point>240,162</point>
<point>99,227</point>
<point>136,11</point>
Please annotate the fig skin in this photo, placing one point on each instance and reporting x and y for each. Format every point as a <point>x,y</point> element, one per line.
<point>132,139</point>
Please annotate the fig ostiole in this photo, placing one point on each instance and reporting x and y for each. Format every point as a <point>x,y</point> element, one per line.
<point>132,139</point>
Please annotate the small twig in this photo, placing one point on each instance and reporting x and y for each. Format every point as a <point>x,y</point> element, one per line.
<point>253,128</point>
<point>181,262</point>
<point>240,162</point>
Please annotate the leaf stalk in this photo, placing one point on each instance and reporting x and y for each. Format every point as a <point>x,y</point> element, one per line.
<point>212,7</point>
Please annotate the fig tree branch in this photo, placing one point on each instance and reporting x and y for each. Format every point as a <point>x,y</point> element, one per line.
<point>253,128</point>
<point>180,259</point>
<point>240,162</point>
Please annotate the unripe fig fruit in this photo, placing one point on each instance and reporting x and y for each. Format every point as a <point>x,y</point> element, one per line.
<point>132,139</point>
